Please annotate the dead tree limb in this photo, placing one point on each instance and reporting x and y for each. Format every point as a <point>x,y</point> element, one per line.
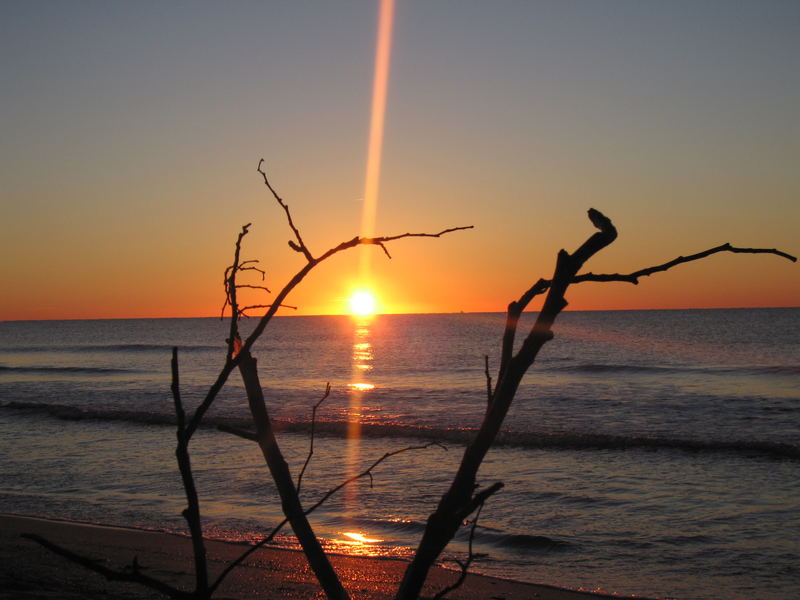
<point>635,275</point>
<point>443,523</point>
<point>313,427</point>
<point>132,574</point>
<point>279,469</point>
<point>192,511</point>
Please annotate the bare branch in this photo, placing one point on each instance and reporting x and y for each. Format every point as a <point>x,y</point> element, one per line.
<point>515,310</point>
<point>300,246</point>
<point>134,574</point>
<point>634,276</point>
<point>230,293</point>
<point>244,309</point>
<point>313,425</point>
<point>239,286</point>
<point>471,556</point>
<point>390,238</point>
<point>245,554</point>
<point>368,472</point>
<point>246,265</point>
<point>192,511</point>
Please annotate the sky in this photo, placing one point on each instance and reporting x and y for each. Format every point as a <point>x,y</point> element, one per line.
<point>131,132</point>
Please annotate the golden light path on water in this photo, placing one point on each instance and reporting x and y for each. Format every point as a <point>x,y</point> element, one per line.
<point>362,348</point>
<point>359,388</point>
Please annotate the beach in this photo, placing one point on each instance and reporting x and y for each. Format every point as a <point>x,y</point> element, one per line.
<point>29,571</point>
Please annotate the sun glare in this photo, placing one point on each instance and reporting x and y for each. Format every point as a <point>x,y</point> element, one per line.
<point>363,304</point>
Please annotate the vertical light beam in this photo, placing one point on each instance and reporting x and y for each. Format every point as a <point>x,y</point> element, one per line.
<point>380,83</point>
<point>383,51</point>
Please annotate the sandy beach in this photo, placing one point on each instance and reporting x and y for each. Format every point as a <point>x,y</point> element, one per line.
<point>29,571</point>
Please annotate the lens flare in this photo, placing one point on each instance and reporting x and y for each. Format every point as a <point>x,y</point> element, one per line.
<point>363,303</point>
<point>380,85</point>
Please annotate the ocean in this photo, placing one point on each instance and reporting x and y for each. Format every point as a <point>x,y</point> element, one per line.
<point>654,453</point>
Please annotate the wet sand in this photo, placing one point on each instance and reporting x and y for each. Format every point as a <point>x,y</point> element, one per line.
<point>28,571</point>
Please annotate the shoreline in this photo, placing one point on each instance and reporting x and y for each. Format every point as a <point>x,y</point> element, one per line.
<point>28,571</point>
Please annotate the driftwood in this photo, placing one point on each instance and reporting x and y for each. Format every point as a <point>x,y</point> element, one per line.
<point>461,499</point>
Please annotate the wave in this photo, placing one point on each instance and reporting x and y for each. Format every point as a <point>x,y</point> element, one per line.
<point>483,535</point>
<point>529,440</point>
<point>69,370</point>
<point>110,348</point>
<point>728,370</point>
<point>602,368</point>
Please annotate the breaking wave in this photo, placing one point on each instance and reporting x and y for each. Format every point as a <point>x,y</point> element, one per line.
<point>529,440</point>
<point>68,370</point>
<point>110,348</point>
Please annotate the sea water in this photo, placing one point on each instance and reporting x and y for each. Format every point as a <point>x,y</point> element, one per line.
<point>647,452</point>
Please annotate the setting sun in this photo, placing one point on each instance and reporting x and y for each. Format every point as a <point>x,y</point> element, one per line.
<point>363,303</point>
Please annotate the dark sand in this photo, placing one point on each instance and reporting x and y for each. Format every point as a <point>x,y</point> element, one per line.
<point>29,571</point>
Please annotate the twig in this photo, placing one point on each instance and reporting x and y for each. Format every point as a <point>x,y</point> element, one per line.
<point>239,286</point>
<point>300,246</point>
<point>311,444</point>
<point>471,556</point>
<point>134,575</point>
<point>368,472</point>
<point>245,554</point>
<point>230,293</point>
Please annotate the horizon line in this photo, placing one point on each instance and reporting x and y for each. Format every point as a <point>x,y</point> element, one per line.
<point>454,312</point>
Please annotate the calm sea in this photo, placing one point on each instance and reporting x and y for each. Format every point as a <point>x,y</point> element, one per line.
<point>648,452</point>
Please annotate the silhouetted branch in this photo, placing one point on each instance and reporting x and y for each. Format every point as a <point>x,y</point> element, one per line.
<point>634,277</point>
<point>243,310</point>
<point>300,246</point>
<point>368,472</point>
<point>230,292</point>
<point>192,511</point>
<point>239,286</point>
<point>133,575</point>
<point>245,554</point>
<point>249,435</point>
<point>313,426</point>
<point>515,310</point>
<point>471,556</point>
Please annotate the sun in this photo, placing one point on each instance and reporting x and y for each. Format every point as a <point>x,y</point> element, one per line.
<point>363,303</point>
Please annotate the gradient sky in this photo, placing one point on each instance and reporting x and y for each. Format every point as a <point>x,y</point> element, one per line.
<point>131,132</point>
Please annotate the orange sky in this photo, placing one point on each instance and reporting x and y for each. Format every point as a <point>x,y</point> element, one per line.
<point>133,134</point>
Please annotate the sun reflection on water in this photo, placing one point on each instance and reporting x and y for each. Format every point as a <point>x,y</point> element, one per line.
<point>362,358</point>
